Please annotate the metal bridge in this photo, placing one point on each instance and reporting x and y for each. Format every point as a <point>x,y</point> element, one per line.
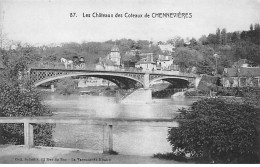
<point>122,78</point>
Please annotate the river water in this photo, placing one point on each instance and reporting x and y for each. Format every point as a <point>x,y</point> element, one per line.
<point>130,140</point>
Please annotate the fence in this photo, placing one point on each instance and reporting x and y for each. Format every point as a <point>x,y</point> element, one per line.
<point>106,123</point>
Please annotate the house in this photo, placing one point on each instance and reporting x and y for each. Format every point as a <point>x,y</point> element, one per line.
<point>241,63</point>
<point>241,77</point>
<point>111,62</point>
<point>146,62</point>
<point>130,58</point>
<point>114,55</point>
<point>164,62</point>
<point>167,48</point>
<point>106,64</point>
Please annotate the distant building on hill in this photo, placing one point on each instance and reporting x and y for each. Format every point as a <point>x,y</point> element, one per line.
<point>146,62</point>
<point>167,48</point>
<point>241,63</point>
<point>114,55</point>
<point>130,58</point>
<point>164,62</point>
<point>111,62</point>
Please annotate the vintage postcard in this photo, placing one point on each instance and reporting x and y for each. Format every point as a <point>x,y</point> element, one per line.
<point>129,81</point>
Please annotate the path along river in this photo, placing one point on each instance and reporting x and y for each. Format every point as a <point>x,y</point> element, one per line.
<point>131,140</point>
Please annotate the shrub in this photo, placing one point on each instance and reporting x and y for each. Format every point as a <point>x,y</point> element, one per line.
<point>217,130</point>
<point>18,98</point>
<point>171,156</point>
<point>251,95</point>
<point>26,103</point>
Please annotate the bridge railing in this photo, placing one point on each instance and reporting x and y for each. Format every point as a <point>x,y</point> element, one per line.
<point>106,123</point>
<point>83,66</point>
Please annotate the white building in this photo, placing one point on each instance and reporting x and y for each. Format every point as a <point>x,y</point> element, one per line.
<point>114,55</point>
<point>147,63</point>
<point>167,48</point>
<point>164,62</point>
<point>111,62</point>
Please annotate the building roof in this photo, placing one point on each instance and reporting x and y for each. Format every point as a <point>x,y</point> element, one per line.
<point>242,72</point>
<point>147,60</point>
<point>164,58</point>
<point>144,55</point>
<point>167,47</point>
<point>240,63</point>
<point>115,48</point>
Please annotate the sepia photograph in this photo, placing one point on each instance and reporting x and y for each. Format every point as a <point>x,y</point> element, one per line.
<point>130,82</point>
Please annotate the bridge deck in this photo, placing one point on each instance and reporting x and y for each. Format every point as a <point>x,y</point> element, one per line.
<point>156,72</point>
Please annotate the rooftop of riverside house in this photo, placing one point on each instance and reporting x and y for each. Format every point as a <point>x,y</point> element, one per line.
<point>242,72</point>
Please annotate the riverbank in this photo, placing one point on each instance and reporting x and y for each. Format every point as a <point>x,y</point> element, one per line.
<point>11,154</point>
<point>93,91</point>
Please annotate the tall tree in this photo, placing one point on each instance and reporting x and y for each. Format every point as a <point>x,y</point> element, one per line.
<point>223,36</point>
<point>218,34</point>
<point>251,27</point>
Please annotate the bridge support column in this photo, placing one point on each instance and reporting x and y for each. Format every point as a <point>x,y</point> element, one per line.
<point>146,81</point>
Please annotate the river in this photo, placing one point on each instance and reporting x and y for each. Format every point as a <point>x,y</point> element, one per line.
<point>130,140</point>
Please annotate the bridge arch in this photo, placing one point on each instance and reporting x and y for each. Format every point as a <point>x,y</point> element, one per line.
<point>115,78</point>
<point>173,80</point>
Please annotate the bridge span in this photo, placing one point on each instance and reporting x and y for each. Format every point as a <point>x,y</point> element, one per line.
<point>123,79</point>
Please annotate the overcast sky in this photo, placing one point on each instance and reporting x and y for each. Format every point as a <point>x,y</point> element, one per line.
<point>49,21</point>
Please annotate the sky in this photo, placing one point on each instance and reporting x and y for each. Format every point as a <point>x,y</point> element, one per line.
<point>48,21</point>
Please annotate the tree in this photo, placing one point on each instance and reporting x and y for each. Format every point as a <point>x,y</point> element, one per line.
<point>218,36</point>
<point>217,131</point>
<point>223,36</point>
<point>203,40</point>
<point>257,27</point>
<point>176,41</point>
<point>247,50</point>
<point>18,98</point>
<point>212,39</point>
<point>235,37</point>
<point>193,42</point>
<point>185,58</point>
<point>251,27</point>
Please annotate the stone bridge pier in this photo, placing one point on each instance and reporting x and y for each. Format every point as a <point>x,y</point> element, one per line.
<point>146,82</point>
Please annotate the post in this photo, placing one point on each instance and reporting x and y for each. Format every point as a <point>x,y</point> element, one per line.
<point>52,88</point>
<point>107,138</point>
<point>28,134</point>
